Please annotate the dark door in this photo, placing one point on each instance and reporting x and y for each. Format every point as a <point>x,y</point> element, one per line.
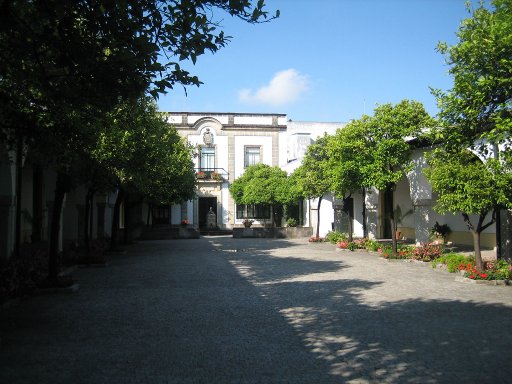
<point>161,214</point>
<point>342,215</point>
<point>388,209</point>
<point>205,203</point>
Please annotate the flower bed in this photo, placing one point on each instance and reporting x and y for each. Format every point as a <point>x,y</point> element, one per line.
<point>495,272</point>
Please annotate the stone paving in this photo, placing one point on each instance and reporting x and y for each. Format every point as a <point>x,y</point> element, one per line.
<point>224,310</point>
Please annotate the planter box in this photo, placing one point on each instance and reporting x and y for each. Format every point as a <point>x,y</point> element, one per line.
<point>272,233</point>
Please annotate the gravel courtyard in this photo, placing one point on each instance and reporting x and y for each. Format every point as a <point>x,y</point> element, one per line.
<point>224,310</point>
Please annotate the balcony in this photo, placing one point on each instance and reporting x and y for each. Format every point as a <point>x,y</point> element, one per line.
<point>212,174</point>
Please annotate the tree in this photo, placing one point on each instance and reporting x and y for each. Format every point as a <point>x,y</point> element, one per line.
<point>146,156</point>
<point>386,135</point>
<point>348,158</point>
<point>477,112</point>
<point>479,104</point>
<point>313,174</point>
<point>260,184</point>
<point>467,185</point>
<point>88,56</point>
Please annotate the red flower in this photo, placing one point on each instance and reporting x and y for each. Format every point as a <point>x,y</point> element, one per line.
<point>483,275</point>
<point>471,276</point>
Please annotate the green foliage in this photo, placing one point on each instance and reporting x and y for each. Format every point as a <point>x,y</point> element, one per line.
<point>20,275</point>
<point>466,184</point>
<point>386,134</point>
<point>349,158</point>
<point>335,237</point>
<point>352,246</point>
<point>260,184</point>
<point>312,177</point>
<point>372,245</point>
<point>146,155</point>
<point>492,270</point>
<point>451,260</point>
<point>386,251</point>
<point>291,222</point>
<point>478,105</point>
<point>440,230</point>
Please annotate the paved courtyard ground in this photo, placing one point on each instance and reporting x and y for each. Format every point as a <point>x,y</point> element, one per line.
<point>223,310</point>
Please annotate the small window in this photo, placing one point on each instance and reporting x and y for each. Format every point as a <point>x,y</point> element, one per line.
<point>252,155</point>
<point>207,158</point>
<point>256,211</point>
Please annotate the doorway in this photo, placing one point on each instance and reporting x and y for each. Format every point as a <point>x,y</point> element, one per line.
<point>205,203</point>
<point>160,214</point>
<point>386,204</point>
<point>343,213</point>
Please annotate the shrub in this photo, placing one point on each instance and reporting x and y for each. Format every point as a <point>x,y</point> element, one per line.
<point>352,246</point>
<point>372,245</point>
<point>342,244</point>
<point>440,230</point>
<point>452,261</point>
<point>20,276</point>
<point>335,237</point>
<point>493,270</point>
<point>291,222</point>
<point>361,243</point>
<point>386,252</point>
<point>405,251</point>
<point>427,252</point>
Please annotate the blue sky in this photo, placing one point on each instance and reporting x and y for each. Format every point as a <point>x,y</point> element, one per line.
<point>326,60</point>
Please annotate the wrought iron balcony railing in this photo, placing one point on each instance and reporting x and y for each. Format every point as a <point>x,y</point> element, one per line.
<point>212,174</point>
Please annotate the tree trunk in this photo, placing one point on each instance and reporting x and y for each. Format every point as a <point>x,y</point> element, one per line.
<point>127,219</point>
<point>19,185</point>
<point>478,253</point>
<point>87,219</point>
<point>318,217</point>
<point>392,221</point>
<point>476,232</point>
<point>350,218</point>
<point>150,207</point>
<point>115,220</point>
<point>37,204</point>
<point>61,187</point>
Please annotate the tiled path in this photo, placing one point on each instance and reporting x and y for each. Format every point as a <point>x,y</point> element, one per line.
<point>223,310</point>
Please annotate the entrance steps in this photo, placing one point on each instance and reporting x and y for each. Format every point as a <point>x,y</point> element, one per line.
<point>168,232</point>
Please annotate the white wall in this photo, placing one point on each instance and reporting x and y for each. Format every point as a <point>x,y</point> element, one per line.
<point>326,215</point>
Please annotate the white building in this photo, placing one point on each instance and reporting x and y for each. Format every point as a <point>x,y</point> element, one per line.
<point>225,144</point>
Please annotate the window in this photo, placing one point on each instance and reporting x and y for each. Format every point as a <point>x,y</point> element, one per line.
<point>256,211</point>
<point>207,158</point>
<point>252,156</point>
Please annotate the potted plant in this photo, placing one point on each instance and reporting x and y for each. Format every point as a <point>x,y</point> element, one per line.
<point>247,223</point>
<point>440,232</point>
<point>216,176</point>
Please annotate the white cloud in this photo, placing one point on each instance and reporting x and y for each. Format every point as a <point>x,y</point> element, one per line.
<point>284,88</point>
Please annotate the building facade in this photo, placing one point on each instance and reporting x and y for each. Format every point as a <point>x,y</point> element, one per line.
<point>225,144</point>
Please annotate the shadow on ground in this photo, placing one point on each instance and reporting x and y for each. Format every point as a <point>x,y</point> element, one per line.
<point>406,341</point>
<point>226,311</point>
